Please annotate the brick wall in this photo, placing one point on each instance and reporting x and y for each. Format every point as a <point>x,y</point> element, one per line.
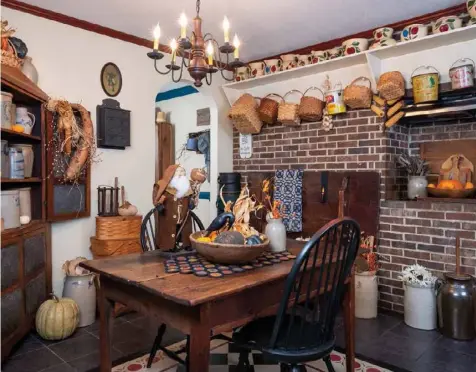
<point>410,232</point>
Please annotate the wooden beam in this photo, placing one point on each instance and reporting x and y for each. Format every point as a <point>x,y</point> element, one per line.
<point>397,26</point>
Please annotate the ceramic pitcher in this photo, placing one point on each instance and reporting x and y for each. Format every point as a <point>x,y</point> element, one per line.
<point>257,68</point>
<point>242,73</point>
<point>289,61</point>
<point>304,59</point>
<point>273,65</point>
<point>25,119</point>
<point>319,56</point>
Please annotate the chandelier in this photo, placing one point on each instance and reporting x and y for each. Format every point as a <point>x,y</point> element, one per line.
<point>198,60</point>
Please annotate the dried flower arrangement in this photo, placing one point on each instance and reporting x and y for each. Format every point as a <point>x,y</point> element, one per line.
<point>414,165</point>
<point>274,208</point>
<point>417,275</point>
<point>367,259</point>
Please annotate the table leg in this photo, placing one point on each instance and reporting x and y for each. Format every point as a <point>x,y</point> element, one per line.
<point>105,332</point>
<point>199,349</point>
<point>349,324</point>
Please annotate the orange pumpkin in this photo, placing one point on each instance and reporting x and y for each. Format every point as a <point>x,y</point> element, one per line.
<point>450,185</point>
<point>469,185</point>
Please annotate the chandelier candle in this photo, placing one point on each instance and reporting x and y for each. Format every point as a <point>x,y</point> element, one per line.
<point>210,53</point>
<point>226,29</point>
<point>236,44</point>
<point>156,37</point>
<point>183,26</point>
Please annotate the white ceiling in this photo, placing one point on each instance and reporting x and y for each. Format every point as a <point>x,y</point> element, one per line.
<point>265,27</point>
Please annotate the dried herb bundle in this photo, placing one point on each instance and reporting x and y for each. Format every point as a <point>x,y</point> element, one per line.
<point>414,165</point>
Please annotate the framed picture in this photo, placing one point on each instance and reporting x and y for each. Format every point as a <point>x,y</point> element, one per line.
<point>111,79</point>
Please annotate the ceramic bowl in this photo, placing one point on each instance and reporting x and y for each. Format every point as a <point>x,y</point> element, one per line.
<point>353,46</point>
<point>414,31</point>
<point>383,43</point>
<point>446,24</point>
<point>471,5</point>
<point>319,56</point>
<point>335,52</point>
<point>383,33</point>
<point>472,21</point>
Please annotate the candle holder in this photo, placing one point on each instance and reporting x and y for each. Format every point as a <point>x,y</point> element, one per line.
<point>155,54</point>
<point>236,63</point>
<point>108,201</point>
<point>227,48</point>
<point>172,67</point>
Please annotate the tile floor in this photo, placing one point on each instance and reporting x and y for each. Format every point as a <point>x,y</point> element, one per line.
<point>385,340</point>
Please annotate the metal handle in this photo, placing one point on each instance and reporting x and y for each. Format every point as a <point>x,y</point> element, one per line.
<point>363,78</point>
<point>290,92</point>
<point>462,60</point>
<point>274,94</point>
<point>314,88</point>
<point>427,67</point>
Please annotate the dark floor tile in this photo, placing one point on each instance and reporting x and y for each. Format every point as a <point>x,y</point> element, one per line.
<point>172,336</point>
<point>91,361</point>
<point>29,343</point>
<point>128,332</point>
<point>76,347</point>
<point>465,347</point>
<point>33,361</point>
<point>370,329</point>
<point>134,347</point>
<point>60,368</point>
<point>77,333</point>
<point>438,359</point>
<point>404,347</point>
<point>130,317</point>
<point>95,326</point>
<point>415,334</point>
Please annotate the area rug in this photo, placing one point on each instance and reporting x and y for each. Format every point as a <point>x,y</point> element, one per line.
<point>224,358</point>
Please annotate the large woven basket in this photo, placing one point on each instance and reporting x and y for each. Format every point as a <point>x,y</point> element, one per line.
<point>244,115</point>
<point>114,247</point>
<point>120,227</point>
<point>288,113</point>
<point>358,96</point>
<point>268,109</point>
<point>391,85</point>
<point>311,108</point>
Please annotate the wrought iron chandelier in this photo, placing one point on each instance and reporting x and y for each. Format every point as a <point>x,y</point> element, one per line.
<point>198,60</point>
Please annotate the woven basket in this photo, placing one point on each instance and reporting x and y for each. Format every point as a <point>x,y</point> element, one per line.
<point>10,57</point>
<point>288,113</point>
<point>391,85</point>
<point>244,115</point>
<point>120,227</point>
<point>311,108</point>
<point>268,109</point>
<point>358,96</point>
<point>114,247</point>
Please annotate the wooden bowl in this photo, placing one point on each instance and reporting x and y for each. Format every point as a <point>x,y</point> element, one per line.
<point>227,253</point>
<point>445,193</point>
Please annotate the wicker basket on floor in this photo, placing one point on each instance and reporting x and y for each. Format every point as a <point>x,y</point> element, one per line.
<point>391,85</point>
<point>358,96</point>
<point>119,227</point>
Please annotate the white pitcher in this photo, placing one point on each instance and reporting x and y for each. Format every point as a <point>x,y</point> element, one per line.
<point>25,119</point>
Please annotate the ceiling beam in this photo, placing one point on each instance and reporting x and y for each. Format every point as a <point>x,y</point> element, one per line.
<point>397,26</point>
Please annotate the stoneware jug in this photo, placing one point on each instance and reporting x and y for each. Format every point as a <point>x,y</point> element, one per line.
<point>276,232</point>
<point>81,289</point>
<point>25,119</point>
<point>30,70</point>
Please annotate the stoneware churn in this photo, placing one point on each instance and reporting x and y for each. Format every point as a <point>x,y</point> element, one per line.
<point>456,298</point>
<point>366,295</point>
<point>81,289</point>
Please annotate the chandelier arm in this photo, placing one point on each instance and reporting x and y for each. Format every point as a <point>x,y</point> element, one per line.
<point>180,76</point>
<point>225,78</point>
<point>206,78</point>
<point>218,53</point>
<point>160,72</point>
<point>208,37</point>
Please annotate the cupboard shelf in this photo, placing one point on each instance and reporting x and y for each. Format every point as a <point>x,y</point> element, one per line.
<point>11,135</point>
<point>21,180</point>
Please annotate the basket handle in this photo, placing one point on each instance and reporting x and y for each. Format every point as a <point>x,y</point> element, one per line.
<point>314,88</point>
<point>275,95</point>
<point>361,78</point>
<point>462,60</point>
<point>427,67</point>
<point>290,92</point>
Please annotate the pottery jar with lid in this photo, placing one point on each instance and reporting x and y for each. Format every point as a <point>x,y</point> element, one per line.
<point>462,74</point>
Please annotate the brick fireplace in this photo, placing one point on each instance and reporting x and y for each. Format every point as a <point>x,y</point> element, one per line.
<point>410,231</point>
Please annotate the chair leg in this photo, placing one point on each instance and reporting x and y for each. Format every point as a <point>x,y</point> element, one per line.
<point>328,362</point>
<point>157,342</point>
<point>243,361</point>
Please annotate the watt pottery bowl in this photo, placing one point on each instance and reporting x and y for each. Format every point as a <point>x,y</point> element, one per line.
<point>319,56</point>
<point>383,33</point>
<point>353,46</point>
<point>471,5</point>
<point>227,253</point>
<point>415,31</point>
<point>335,52</point>
<point>446,24</point>
<point>445,193</point>
<point>472,21</point>
<point>383,43</point>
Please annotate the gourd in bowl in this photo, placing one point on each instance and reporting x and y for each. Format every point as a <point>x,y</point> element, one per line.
<point>451,189</point>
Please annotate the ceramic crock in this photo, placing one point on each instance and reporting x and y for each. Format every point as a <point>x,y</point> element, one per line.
<point>419,306</point>
<point>444,24</point>
<point>335,101</point>
<point>383,43</point>
<point>471,5</point>
<point>414,31</point>
<point>30,70</point>
<point>416,187</point>
<point>462,75</point>
<point>353,46</point>
<point>6,113</point>
<point>25,119</point>
<point>304,59</point>
<point>289,61</point>
<point>425,84</point>
<point>456,306</point>
<point>276,232</point>
<point>319,56</point>
<point>257,68</point>
<point>273,65</point>
<point>28,157</point>
<point>82,290</point>
<point>383,33</point>
<point>366,295</point>
<point>335,52</point>
<point>242,73</point>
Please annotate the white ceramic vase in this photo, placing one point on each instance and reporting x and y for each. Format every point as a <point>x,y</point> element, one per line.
<point>276,232</point>
<point>420,307</point>
<point>366,295</point>
<point>30,70</point>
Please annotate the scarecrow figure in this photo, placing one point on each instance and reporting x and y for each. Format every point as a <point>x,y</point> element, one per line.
<point>174,192</point>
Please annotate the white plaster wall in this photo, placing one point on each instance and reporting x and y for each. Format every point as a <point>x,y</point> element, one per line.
<point>69,61</point>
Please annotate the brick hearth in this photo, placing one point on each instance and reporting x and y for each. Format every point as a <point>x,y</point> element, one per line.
<point>410,232</point>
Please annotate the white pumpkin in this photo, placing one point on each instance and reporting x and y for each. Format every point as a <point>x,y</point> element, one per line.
<point>57,319</point>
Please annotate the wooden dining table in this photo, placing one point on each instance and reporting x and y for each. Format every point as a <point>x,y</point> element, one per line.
<point>197,306</point>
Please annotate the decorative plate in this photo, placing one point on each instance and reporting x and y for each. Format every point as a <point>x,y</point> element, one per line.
<point>111,79</point>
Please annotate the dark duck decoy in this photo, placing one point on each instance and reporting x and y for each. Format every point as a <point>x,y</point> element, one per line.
<point>220,221</point>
